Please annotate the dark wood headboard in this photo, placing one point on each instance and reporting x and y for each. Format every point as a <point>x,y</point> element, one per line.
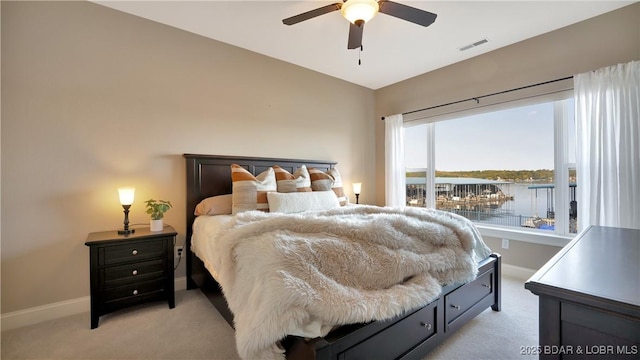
<point>210,175</point>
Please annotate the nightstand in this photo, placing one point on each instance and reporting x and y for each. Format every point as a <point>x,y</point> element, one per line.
<point>129,270</point>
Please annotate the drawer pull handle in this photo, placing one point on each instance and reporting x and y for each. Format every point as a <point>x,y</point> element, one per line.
<point>135,292</point>
<point>457,307</point>
<point>486,285</point>
<point>134,252</point>
<point>134,272</point>
<point>427,326</point>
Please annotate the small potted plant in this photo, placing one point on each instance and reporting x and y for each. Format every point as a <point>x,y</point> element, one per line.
<point>157,208</point>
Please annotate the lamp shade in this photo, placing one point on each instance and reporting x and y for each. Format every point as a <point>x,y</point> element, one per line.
<point>364,10</point>
<point>356,188</point>
<point>126,195</point>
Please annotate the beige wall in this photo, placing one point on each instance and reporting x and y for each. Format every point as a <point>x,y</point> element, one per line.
<point>93,99</point>
<point>608,39</point>
<point>523,254</point>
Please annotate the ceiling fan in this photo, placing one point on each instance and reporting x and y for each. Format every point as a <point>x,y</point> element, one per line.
<point>358,12</point>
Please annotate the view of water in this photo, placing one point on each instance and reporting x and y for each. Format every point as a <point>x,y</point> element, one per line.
<point>527,202</point>
<point>522,205</point>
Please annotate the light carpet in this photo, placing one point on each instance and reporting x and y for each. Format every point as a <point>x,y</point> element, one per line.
<point>194,330</point>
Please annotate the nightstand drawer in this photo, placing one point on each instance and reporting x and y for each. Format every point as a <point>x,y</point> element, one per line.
<point>131,252</point>
<point>133,272</point>
<point>133,290</point>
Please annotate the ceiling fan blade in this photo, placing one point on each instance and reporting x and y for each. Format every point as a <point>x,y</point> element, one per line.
<point>311,14</point>
<point>355,35</point>
<point>408,13</point>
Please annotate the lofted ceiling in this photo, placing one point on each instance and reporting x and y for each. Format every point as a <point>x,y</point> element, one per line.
<point>393,49</point>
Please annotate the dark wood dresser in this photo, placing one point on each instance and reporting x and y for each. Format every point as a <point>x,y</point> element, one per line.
<point>128,270</point>
<point>589,297</point>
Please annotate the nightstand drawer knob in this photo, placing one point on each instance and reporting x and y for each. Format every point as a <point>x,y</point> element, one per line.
<point>134,272</point>
<point>457,307</point>
<point>426,326</point>
<point>135,292</point>
<point>134,252</point>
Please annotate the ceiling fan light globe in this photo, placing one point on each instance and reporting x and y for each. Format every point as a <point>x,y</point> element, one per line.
<point>354,10</point>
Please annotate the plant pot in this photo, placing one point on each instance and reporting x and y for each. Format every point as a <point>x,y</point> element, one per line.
<point>156,225</point>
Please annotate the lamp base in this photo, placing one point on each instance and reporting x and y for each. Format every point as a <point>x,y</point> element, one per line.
<point>126,230</point>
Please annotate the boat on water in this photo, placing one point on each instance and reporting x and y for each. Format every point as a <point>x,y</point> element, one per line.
<point>540,223</point>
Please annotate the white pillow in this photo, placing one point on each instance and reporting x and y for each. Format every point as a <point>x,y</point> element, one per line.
<point>296,202</point>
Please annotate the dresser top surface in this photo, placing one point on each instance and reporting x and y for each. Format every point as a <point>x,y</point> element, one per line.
<point>604,262</point>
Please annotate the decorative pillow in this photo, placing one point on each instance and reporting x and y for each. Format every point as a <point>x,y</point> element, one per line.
<point>215,205</point>
<point>329,180</point>
<point>299,181</point>
<point>302,201</point>
<point>250,192</point>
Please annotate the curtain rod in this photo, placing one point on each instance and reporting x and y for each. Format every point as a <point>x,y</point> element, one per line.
<point>477,98</point>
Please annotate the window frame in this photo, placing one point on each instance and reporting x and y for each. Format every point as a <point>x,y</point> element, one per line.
<point>560,236</point>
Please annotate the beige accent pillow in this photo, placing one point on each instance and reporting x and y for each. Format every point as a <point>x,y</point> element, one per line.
<point>215,205</point>
<point>298,181</point>
<point>329,180</point>
<point>250,192</point>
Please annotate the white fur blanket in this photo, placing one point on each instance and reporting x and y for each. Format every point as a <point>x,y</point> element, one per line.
<point>301,274</point>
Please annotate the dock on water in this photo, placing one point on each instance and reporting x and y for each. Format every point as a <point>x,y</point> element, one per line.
<point>459,192</point>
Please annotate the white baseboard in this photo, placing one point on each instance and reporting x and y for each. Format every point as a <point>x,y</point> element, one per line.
<point>517,272</point>
<point>38,314</point>
<point>34,315</point>
<point>181,283</point>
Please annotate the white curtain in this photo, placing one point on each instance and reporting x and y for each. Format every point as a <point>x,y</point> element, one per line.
<point>607,114</point>
<point>395,188</point>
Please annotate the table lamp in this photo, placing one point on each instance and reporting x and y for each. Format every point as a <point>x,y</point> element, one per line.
<point>356,190</point>
<point>126,199</point>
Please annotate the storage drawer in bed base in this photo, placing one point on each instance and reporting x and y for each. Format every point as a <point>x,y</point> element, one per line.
<point>394,341</point>
<point>469,300</point>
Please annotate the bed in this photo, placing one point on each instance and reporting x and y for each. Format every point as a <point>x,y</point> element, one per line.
<point>409,335</point>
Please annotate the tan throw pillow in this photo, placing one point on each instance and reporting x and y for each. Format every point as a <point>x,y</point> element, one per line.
<point>215,205</point>
<point>329,180</point>
<point>250,192</point>
<point>299,181</point>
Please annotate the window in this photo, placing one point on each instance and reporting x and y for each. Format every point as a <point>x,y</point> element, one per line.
<point>513,167</point>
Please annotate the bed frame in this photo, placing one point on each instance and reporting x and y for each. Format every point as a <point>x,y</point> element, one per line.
<point>408,336</point>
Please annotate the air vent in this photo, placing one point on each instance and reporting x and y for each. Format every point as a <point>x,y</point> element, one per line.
<point>477,43</point>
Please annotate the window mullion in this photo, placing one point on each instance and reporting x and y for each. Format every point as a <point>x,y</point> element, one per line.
<point>561,169</point>
<point>430,196</point>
